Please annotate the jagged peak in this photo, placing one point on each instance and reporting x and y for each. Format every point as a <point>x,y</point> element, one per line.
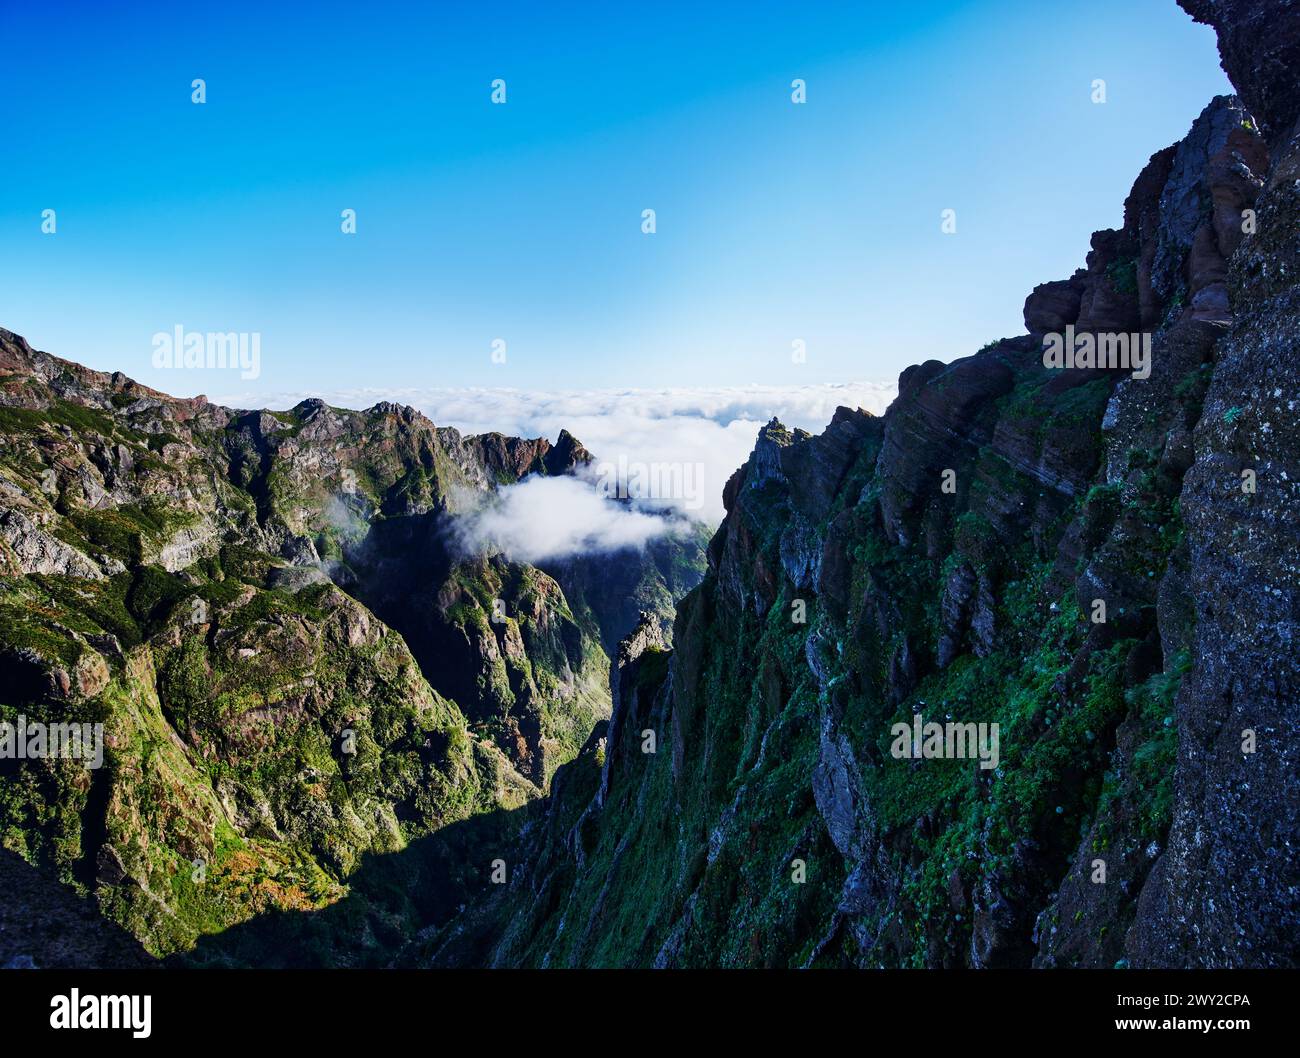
<point>776,432</point>
<point>404,412</point>
<point>844,413</point>
<point>647,635</point>
<point>566,454</point>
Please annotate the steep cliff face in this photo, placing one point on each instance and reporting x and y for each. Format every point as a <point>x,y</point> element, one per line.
<point>1227,891</point>
<point>1076,556</point>
<point>295,666</point>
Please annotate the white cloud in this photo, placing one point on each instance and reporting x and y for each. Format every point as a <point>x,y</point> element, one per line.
<point>545,518</point>
<point>680,429</point>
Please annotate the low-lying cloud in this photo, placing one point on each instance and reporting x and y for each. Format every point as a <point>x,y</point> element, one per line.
<point>693,437</point>
<point>549,518</point>
<point>697,437</point>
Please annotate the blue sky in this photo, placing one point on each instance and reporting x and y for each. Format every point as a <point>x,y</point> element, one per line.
<point>776,221</point>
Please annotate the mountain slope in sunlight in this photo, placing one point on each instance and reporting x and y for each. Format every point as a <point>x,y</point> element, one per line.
<point>294,665</point>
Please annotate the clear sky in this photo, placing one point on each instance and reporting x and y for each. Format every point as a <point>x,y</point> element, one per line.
<point>522,221</point>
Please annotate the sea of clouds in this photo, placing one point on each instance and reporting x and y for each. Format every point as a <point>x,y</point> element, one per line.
<point>699,435</point>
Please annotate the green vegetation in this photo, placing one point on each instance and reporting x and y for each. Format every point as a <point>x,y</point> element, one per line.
<point>1123,275</point>
<point>271,746</point>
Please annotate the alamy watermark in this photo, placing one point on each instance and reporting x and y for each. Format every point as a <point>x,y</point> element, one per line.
<point>681,484</point>
<point>35,740</point>
<point>75,1011</point>
<point>235,350</point>
<point>950,741</point>
<point>1128,352</point>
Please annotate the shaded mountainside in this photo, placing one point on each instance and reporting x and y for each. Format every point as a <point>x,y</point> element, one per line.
<point>295,666</point>
<point>1104,566</point>
<point>39,917</point>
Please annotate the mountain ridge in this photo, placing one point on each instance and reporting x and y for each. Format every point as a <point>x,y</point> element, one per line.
<point>215,586</point>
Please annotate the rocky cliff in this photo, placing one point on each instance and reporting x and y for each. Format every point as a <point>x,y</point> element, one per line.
<point>1099,563</point>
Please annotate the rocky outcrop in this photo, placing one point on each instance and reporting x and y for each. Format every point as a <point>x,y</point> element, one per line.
<point>1259,42</point>
<point>640,657</point>
<point>508,459</point>
<point>32,550</point>
<point>1182,221</point>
